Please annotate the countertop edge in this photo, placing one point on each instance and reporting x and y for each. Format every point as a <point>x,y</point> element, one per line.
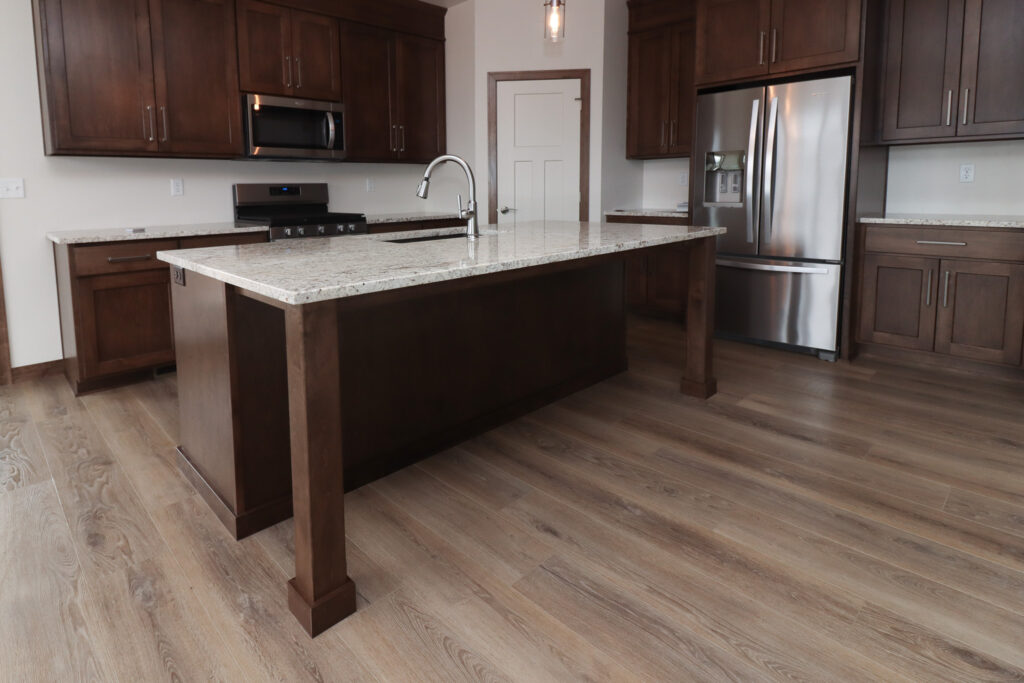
<point>945,222</point>
<point>155,232</point>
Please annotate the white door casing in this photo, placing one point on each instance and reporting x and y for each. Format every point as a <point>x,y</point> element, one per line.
<point>538,136</point>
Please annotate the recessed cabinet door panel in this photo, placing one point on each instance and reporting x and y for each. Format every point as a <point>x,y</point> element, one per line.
<point>684,101</point>
<point>981,311</point>
<point>732,39</point>
<point>419,97</point>
<point>366,84</point>
<point>992,97</point>
<point>650,87</point>
<point>196,71</point>
<point>315,56</point>
<point>922,75</point>
<point>899,300</point>
<point>125,322</point>
<point>667,277</point>
<point>264,43</point>
<point>100,71</point>
<point>810,33</point>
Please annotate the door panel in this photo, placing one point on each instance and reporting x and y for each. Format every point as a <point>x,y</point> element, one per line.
<point>650,85</point>
<point>727,148</point>
<point>922,77</point>
<point>264,48</point>
<point>810,33</point>
<point>899,300</point>
<point>684,99</point>
<point>419,97</point>
<point>315,56</point>
<point>804,185</point>
<point>981,313</point>
<point>732,39</point>
<point>538,150</point>
<point>993,68</point>
<point>100,59</point>
<point>196,71</point>
<point>779,301</point>
<point>366,84</point>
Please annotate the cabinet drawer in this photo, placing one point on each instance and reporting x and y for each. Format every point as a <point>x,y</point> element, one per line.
<point>222,240</point>
<point>120,257</point>
<point>949,243</point>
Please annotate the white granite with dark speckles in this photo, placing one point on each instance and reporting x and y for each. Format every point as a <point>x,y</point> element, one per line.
<point>310,270</point>
<point>945,219</point>
<point>155,232</point>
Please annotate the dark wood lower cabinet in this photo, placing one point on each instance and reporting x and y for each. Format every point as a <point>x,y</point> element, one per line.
<point>898,300</point>
<point>982,311</point>
<point>656,278</point>
<point>115,307</point>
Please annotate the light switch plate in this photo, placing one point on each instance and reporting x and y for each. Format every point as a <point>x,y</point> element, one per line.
<point>177,187</point>
<point>967,173</point>
<point>12,188</point>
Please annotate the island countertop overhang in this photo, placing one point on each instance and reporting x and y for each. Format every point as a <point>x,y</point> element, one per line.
<point>322,269</point>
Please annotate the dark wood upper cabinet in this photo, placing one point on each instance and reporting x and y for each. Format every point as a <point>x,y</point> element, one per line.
<point>739,39</point>
<point>394,95</point>
<point>922,75</point>
<point>812,33</point>
<point>953,69</point>
<point>992,68</point>
<point>288,52</point>
<point>661,92</point>
<point>96,76</point>
<point>732,39</point>
<point>196,77</point>
<point>419,97</point>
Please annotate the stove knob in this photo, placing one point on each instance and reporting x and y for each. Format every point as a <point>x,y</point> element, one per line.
<point>300,232</point>
<point>321,230</point>
<point>340,229</point>
<point>287,232</point>
<point>350,227</point>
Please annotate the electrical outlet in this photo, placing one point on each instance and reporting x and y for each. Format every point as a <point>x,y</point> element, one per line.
<point>369,184</point>
<point>177,187</point>
<point>12,188</point>
<point>967,173</point>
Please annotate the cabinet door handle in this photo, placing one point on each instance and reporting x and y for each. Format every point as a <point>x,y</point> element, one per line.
<point>152,122</point>
<point>672,132</point>
<point>394,138</point>
<point>287,72</point>
<point>662,143</point>
<point>298,72</point>
<point>945,292</point>
<point>402,130</point>
<point>967,99</point>
<point>949,107</point>
<point>775,40</point>
<point>760,48</point>
<point>163,115</point>
<point>129,259</point>
<point>928,290</point>
<point>944,244</point>
<point>144,136</point>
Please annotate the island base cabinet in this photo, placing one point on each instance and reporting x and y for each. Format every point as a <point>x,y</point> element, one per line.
<point>982,311</point>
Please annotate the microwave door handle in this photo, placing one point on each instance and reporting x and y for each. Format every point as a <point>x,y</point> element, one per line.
<point>755,109</point>
<point>331,130</point>
<point>768,200</point>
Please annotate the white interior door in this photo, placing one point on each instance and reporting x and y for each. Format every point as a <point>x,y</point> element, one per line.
<point>538,151</point>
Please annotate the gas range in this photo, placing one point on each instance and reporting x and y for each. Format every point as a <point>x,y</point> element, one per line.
<point>293,210</point>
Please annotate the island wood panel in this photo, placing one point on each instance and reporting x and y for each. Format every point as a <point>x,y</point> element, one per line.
<point>412,371</point>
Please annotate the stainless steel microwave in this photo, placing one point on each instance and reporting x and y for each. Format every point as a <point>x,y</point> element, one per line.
<point>287,128</point>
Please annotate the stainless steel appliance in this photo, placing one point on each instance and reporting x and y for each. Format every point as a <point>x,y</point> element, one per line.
<point>293,210</point>
<point>771,166</point>
<point>284,127</point>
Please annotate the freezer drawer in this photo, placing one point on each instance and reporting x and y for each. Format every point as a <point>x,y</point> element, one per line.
<point>788,302</point>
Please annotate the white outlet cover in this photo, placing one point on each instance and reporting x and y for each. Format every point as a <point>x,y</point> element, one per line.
<point>369,184</point>
<point>967,173</point>
<point>12,188</point>
<point>177,187</point>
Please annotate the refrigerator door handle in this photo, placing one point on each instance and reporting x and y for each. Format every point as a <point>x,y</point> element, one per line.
<point>755,117</point>
<point>809,270</point>
<point>768,201</point>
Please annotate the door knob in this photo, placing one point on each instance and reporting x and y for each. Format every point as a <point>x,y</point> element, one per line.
<point>506,209</point>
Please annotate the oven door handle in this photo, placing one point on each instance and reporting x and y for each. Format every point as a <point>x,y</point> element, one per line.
<point>331,130</point>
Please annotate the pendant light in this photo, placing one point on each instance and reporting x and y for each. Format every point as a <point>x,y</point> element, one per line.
<point>554,20</point>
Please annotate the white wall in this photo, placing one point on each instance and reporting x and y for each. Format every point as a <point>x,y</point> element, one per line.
<point>666,183</point>
<point>622,178</point>
<point>926,178</point>
<point>65,193</point>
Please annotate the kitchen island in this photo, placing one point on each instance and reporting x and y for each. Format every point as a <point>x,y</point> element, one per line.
<point>312,366</point>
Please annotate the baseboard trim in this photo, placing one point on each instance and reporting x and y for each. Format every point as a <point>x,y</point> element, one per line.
<point>27,372</point>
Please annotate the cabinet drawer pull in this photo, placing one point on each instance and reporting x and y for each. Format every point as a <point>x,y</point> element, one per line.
<point>943,244</point>
<point>129,259</point>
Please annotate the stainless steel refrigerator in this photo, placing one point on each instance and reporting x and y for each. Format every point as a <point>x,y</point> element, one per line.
<point>771,166</point>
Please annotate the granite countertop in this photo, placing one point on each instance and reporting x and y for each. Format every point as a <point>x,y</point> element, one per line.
<point>148,233</point>
<point>410,217</point>
<point>649,213</point>
<point>306,271</point>
<point>946,219</point>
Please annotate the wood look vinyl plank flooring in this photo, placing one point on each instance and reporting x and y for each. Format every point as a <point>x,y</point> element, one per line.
<point>812,521</point>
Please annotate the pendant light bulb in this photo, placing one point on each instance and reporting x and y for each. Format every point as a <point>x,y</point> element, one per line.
<point>554,20</point>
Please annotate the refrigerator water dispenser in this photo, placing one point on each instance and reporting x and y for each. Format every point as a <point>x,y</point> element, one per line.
<point>723,178</point>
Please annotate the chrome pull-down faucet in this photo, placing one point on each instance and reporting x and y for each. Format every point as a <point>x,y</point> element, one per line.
<point>468,213</point>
